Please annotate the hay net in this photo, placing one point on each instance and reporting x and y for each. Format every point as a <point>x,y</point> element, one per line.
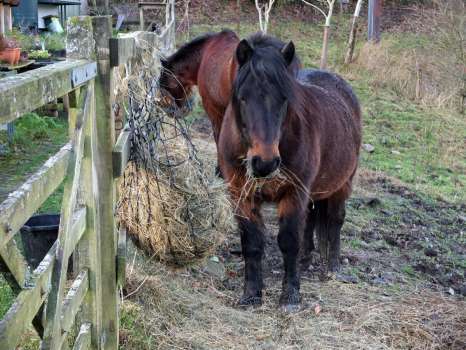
<point>170,201</point>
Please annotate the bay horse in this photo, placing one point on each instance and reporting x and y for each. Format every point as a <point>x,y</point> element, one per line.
<point>293,142</point>
<point>208,62</point>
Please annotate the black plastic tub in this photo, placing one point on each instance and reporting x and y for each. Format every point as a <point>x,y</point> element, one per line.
<point>38,235</point>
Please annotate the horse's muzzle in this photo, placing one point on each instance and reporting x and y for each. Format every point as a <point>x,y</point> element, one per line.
<point>263,168</point>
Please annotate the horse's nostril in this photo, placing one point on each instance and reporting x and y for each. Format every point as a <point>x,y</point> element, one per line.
<point>263,168</point>
<point>255,162</point>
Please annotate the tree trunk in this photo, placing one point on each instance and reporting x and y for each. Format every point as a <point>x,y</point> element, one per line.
<point>351,41</point>
<point>323,59</point>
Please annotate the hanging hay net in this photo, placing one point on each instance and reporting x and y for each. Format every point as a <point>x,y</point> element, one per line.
<point>171,203</point>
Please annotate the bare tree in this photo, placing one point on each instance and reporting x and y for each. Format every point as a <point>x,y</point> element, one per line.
<point>264,14</point>
<point>184,23</point>
<point>329,4</point>
<point>354,29</point>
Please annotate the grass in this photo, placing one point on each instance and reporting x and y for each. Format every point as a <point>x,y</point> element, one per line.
<point>36,138</point>
<point>420,146</point>
<point>6,296</point>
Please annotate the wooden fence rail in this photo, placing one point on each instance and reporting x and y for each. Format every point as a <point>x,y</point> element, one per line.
<point>87,227</point>
<point>78,309</point>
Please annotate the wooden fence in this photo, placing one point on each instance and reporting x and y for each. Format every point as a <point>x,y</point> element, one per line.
<point>80,310</point>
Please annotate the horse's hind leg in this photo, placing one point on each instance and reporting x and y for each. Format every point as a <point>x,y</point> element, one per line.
<point>331,216</point>
<point>336,217</point>
<point>308,246</point>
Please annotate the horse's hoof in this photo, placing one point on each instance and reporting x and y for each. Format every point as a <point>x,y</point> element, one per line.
<point>247,300</point>
<point>290,300</point>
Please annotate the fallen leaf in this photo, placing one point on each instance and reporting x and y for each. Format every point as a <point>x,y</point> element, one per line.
<point>317,309</point>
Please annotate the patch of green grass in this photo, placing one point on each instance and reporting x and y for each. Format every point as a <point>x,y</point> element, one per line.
<point>417,145</point>
<point>36,138</point>
<point>132,335</point>
<point>355,243</point>
<point>6,296</point>
<point>53,203</point>
<point>409,270</point>
<point>32,127</point>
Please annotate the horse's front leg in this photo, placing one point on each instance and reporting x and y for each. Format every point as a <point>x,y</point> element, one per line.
<point>291,214</point>
<point>251,229</point>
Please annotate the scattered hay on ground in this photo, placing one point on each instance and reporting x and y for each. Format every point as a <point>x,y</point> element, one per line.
<point>189,310</point>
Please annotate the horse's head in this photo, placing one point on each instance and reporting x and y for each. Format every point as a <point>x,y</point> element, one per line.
<point>176,85</point>
<point>179,72</point>
<point>262,91</point>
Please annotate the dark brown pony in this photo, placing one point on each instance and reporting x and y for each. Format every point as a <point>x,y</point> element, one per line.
<point>292,142</point>
<point>209,62</point>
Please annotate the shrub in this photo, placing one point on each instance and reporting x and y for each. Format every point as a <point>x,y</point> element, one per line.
<point>31,127</point>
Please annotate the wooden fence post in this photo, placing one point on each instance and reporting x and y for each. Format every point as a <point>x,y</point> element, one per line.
<point>103,176</point>
<point>81,45</point>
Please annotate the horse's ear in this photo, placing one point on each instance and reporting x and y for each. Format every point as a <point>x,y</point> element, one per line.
<point>244,52</point>
<point>288,52</point>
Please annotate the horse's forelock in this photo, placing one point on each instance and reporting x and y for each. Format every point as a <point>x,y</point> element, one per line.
<point>268,67</point>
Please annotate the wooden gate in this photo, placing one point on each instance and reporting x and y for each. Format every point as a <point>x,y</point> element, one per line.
<point>78,309</point>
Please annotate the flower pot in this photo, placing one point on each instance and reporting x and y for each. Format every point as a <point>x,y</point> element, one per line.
<point>8,55</point>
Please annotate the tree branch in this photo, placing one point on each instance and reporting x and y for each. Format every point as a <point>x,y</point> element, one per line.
<point>316,7</point>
